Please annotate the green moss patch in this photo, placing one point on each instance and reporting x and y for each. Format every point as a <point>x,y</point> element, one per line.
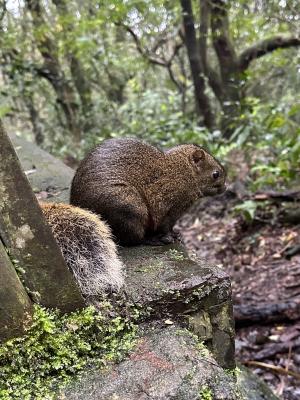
<point>57,347</point>
<point>205,393</point>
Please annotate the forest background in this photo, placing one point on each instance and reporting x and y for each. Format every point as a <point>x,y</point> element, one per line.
<point>222,74</point>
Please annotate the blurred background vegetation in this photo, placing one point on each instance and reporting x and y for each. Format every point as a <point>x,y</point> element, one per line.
<point>223,74</point>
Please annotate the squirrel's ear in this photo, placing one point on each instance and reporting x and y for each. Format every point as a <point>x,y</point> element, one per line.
<point>198,155</point>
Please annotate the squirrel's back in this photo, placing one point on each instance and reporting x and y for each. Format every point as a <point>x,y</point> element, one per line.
<point>117,161</point>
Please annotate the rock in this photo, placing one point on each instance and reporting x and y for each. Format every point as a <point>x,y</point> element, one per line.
<point>45,173</point>
<point>167,363</point>
<point>16,307</point>
<point>166,282</point>
<point>29,240</point>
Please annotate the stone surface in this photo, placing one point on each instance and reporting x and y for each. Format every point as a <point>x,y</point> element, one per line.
<point>29,239</point>
<point>165,281</point>
<point>15,305</point>
<point>167,363</point>
<point>44,172</point>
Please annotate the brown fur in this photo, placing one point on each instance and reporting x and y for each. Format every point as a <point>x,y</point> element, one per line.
<point>141,191</point>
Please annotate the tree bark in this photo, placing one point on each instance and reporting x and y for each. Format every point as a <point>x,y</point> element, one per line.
<point>29,239</point>
<point>197,70</point>
<point>80,79</point>
<point>264,47</point>
<point>53,72</point>
<point>228,64</point>
<point>15,305</point>
<point>34,118</point>
<point>227,83</point>
<point>267,313</point>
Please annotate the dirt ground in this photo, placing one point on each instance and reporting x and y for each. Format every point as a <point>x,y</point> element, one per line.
<point>265,282</point>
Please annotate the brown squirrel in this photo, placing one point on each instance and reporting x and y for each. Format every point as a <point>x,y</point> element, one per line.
<point>87,247</point>
<point>141,191</point>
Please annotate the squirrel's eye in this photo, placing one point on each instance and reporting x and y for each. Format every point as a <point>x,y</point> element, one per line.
<point>216,174</point>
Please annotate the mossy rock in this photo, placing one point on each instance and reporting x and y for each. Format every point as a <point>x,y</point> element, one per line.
<point>167,363</point>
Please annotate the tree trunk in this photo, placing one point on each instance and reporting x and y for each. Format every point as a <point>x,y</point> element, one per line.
<point>34,118</point>
<point>15,305</point>
<point>228,64</point>
<point>202,100</point>
<point>79,75</point>
<point>29,239</point>
<point>53,72</point>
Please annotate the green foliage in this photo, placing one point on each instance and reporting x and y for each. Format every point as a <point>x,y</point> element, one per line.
<point>176,255</point>
<point>130,96</point>
<point>57,347</point>
<point>205,393</point>
<point>247,209</point>
<point>156,117</point>
<point>277,148</point>
<point>271,140</point>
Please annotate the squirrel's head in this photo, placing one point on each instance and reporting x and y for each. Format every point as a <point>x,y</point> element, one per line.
<point>210,174</point>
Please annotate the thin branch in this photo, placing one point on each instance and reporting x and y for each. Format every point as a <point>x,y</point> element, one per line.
<point>145,53</point>
<point>266,46</point>
<point>176,49</point>
<point>274,368</point>
<point>148,54</point>
<point>179,86</point>
<point>164,40</point>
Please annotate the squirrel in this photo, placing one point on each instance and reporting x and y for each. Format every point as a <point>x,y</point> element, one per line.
<point>141,191</point>
<point>87,247</point>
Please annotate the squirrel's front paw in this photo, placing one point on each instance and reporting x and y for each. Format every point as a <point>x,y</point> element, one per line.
<point>163,239</point>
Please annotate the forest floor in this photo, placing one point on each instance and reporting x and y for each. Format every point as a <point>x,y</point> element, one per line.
<point>265,281</point>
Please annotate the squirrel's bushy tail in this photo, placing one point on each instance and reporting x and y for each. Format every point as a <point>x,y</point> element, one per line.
<point>87,246</point>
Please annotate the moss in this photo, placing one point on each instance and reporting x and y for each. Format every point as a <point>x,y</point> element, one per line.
<point>57,347</point>
<point>200,346</point>
<point>203,350</point>
<point>151,267</point>
<point>176,255</point>
<point>205,393</point>
<point>235,372</point>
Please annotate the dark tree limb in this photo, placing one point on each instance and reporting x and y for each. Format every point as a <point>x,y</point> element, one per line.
<point>222,41</point>
<point>267,313</point>
<point>230,95</point>
<point>264,47</point>
<point>34,118</point>
<point>215,83</point>
<point>271,350</point>
<point>79,75</point>
<point>3,9</point>
<point>202,100</point>
<point>212,75</point>
<point>203,29</point>
<point>52,71</point>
